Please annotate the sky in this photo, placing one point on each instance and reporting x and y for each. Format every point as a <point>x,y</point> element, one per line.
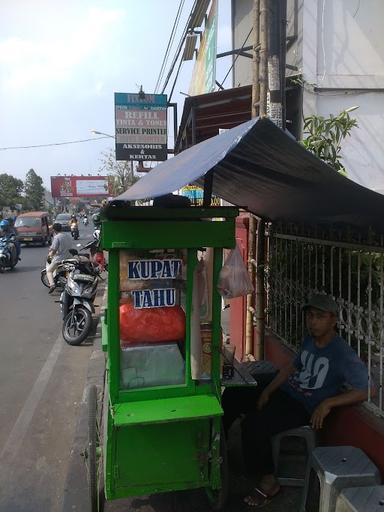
<point>61,62</point>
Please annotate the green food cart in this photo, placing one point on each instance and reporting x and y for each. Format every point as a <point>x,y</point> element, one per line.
<point>161,414</point>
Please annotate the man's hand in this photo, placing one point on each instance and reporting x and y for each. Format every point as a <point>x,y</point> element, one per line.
<point>263,399</point>
<point>319,414</point>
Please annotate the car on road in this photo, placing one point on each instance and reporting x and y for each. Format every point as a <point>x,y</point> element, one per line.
<point>65,220</point>
<point>33,228</point>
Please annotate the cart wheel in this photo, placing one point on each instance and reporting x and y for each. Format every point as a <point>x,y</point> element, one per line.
<point>93,455</point>
<point>218,497</point>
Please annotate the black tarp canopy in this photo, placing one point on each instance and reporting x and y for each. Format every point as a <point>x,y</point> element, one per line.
<point>261,168</point>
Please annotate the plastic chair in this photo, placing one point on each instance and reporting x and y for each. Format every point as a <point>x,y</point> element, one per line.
<point>333,468</point>
<point>361,499</point>
<point>305,432</point>
<point>309,435</point>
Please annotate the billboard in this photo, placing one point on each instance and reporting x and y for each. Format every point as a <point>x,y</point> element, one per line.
<point>79,186</point>
<point>204,71</point>
<point>141,126</point>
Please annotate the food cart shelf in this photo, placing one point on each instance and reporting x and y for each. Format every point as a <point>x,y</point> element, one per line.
<point>166,410</point>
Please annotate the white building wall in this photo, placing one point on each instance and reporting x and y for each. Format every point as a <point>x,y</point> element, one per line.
<point>363,151</point>
<point>350,43</point>
<point>343,66</point>
<point>241,26</point>
<point>340,53</point>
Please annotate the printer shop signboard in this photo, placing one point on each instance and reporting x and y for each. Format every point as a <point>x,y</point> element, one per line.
<point>141,126</point>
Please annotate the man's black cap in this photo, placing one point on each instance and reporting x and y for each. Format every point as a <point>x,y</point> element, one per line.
<point>322,302</point>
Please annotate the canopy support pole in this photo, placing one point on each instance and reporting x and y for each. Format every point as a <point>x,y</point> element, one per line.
<point>260,292</point>
<point>208,184</point>
<point>250,311</point>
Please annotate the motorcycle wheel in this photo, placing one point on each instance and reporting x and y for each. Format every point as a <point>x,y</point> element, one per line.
<point>76,325</point>
<point>44,278</point>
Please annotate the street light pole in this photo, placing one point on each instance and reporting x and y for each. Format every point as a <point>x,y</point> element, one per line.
<point>96,132</point>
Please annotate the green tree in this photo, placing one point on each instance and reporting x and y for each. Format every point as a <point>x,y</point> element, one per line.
<point>34,191</point>
<point>324,136</point>
<point>10,190</point>
<point>121,173</point>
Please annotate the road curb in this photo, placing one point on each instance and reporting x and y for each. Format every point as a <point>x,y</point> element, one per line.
<point>75,495</point>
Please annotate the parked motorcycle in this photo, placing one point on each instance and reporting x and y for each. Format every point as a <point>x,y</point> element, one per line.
<point>59,275</point>
<point>74,230</point>
<point>77,299</point>
<point>97,255</point>
<point>8,253</point>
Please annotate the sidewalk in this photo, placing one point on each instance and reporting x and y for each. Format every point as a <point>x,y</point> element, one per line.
<point>75,497</point>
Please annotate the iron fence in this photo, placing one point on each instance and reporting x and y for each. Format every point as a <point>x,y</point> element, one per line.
<point>351,271</point>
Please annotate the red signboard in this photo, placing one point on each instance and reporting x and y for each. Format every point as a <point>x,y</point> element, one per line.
<point>79,186</point>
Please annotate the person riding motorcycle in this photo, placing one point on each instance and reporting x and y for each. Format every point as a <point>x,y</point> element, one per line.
<point>58,251</point>
<point>96,220</point>
<point>74,227</point>
<point>8,231</point>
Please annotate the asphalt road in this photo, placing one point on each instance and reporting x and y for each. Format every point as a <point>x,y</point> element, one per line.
<point>41,387</point>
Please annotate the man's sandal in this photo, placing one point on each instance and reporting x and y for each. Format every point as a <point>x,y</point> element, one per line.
<point>259,498</point>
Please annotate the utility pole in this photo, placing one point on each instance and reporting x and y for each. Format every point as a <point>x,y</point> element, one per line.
<point>254,334</point>
<point>250,302</point>
<point>268,100</point>
<point>276,76</point>
<point>263,65</point>
<point>256,58</point>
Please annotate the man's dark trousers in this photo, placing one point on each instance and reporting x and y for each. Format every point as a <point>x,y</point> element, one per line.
<point>280,413</point>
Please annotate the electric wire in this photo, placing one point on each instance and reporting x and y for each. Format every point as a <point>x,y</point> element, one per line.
<point>235,59</point>
<point>170,42</point>
<point>174,82</point>
<point>323,41</point>
<point>177,53</point>
<point>54,144</point>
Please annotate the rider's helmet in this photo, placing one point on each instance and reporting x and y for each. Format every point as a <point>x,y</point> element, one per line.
<point>4,225</point>
<point>57,227</point>
<point>96,219</point>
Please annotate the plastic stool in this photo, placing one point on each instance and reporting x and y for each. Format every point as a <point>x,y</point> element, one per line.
<point>337,467</point>
<point>305,432</point>
<point>361,499</point>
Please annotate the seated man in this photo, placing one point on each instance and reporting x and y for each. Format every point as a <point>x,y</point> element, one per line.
<point>302,393</point>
